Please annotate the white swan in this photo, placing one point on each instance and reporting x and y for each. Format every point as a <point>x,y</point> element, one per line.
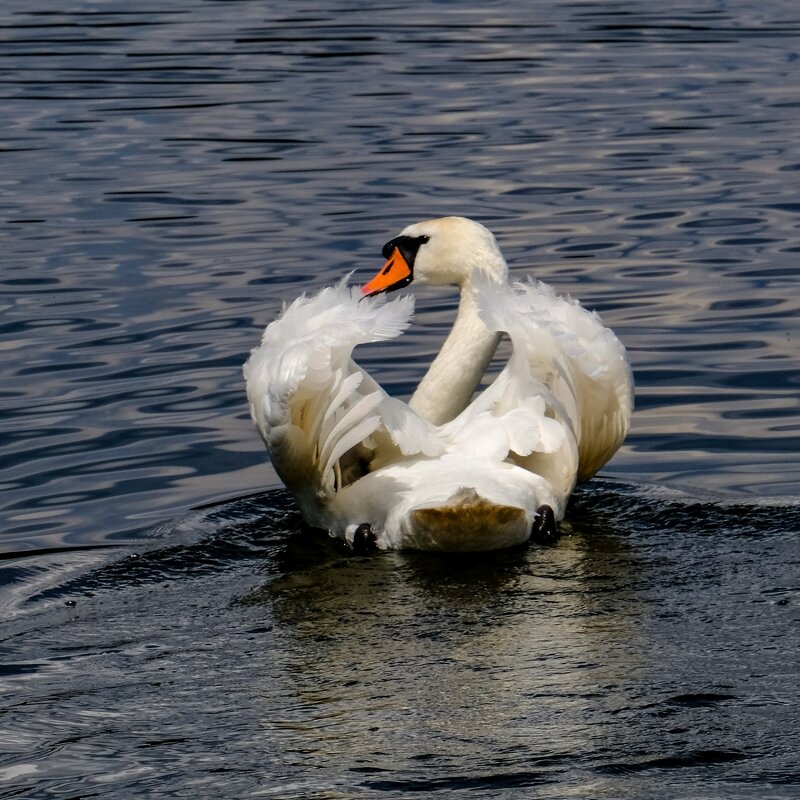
<point>445,471</point>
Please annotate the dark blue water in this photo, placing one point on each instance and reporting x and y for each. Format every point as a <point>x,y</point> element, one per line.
<point>169,175</point>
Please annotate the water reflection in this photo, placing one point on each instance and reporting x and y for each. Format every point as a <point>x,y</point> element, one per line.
<point>436,652</point>
<point>235,638</point>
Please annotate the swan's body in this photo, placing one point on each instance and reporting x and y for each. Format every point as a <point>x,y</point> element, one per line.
<point>445,471</point>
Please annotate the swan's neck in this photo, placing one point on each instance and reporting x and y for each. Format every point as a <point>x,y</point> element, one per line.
<point>450,381</point>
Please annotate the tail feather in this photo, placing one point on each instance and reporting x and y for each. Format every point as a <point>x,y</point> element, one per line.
<point>468,523</point>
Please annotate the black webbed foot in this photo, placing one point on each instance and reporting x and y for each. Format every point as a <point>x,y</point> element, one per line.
<point>364,540</point>
<point>545,528</point>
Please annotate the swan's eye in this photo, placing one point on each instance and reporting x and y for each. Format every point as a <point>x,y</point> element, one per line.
<point>407,245</point>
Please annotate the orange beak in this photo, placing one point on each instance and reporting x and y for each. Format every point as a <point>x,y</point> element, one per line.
<point>394,274</point>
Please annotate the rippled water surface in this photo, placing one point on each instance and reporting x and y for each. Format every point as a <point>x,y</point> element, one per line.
<point>170,174</point>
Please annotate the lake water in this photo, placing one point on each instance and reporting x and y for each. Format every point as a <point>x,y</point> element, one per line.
<point>170,175</point>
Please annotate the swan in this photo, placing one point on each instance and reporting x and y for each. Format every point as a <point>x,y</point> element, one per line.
<point>451,470</point>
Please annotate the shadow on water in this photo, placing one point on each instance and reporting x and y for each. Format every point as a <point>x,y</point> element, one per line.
<point>602,661</point>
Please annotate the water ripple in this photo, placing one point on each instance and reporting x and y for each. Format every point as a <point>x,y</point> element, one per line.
<point>171,176</point>
<point>604,657</point>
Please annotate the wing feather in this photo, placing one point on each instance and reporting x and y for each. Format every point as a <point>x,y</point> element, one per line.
<point>349,421</point>
<point>577,363</point>
<point>321,416</point>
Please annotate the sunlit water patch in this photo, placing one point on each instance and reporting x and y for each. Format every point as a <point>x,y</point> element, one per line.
<point>239,654</point>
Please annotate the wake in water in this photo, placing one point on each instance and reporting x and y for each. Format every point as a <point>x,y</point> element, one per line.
<point>263,653</point>
<point>266,526</point>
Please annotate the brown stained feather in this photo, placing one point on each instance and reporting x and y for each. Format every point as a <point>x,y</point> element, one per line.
<point>467,523</point>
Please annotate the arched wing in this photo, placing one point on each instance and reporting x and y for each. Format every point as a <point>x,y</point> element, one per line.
<point>566,353</point>
<point>324,420</point>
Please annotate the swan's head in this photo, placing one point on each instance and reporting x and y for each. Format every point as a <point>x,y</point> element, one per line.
<point>438,252</point>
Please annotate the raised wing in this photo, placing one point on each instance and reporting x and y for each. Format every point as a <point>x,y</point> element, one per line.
<point>324,420</point>
<point>566,353</point>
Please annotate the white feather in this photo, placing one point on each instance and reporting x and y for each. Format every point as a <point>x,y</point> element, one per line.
<point>448,471</point>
